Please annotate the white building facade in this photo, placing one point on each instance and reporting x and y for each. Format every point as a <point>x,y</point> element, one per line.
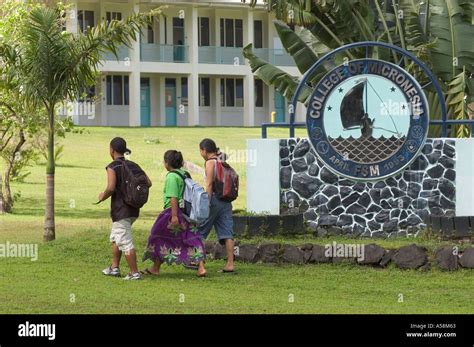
<point>187,68</point>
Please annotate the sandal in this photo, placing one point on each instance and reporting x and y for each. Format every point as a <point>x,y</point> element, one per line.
<point>147,272</point>
<point>224,271</point>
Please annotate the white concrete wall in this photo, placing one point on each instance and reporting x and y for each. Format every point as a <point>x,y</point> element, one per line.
<point>263,176</point>
<point>465,177</point>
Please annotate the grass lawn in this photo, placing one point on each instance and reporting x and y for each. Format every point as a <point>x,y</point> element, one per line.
<point>67,279</point>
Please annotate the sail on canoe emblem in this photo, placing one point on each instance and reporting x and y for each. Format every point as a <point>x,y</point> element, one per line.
<point>353,125</point>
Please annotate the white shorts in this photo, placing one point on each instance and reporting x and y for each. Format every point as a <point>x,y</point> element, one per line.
<point>121,234</point>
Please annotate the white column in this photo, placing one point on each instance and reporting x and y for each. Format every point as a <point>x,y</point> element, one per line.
<point>217,100</point>
<point>217,28</point>
<point>103,104</point>
<point>162,108</point>
<point>72,19</point>
<point>249,86</point>
<point>270,97</point>
<point>134,55</point>
<point>249,100</point>
<point>191,27</point>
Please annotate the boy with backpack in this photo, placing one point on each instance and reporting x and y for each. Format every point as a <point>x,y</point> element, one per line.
<point>128,185</point>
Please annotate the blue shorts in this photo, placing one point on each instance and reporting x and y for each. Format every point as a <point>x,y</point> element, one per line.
<point>220,217</point>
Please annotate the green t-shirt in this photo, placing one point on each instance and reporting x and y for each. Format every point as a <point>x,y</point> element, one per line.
<point>174,185</point>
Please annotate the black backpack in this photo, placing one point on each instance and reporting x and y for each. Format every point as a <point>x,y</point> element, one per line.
<point>134,187</point>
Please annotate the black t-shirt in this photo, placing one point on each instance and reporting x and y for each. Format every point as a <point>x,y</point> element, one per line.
<point>118,208</point>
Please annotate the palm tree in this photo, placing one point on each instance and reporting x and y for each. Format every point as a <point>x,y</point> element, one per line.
<point>53,65</point>
<point>439,32</point>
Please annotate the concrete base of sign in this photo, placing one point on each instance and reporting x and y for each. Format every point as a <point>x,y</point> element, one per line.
<point>287,177</point>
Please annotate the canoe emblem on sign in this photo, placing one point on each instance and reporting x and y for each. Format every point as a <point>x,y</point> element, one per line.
<point>367,119</point>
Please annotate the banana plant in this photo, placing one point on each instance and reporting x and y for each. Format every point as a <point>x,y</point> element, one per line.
<point>438,32</point>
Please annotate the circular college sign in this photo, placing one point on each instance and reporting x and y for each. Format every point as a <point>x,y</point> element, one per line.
<point>367,119</point>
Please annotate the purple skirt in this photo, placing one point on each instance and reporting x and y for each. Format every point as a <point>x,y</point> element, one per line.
<point>181,245</point>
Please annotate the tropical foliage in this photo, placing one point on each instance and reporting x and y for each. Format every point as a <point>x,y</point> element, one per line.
<point>439,32</point>
<point>48,65</point>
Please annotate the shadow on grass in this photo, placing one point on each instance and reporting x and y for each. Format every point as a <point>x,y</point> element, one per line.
<point>69,166</point>
<point>35,207</point>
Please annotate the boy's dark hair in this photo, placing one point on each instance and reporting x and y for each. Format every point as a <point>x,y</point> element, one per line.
<point>209,146</point>
<point>174,159</point>
<point>119,145</point>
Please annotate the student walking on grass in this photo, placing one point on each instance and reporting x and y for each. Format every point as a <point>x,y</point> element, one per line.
<point>220,196</point>
<point>173,239</point>
<point>125,206</point>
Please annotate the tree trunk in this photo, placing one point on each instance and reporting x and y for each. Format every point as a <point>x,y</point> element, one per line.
<point>7,196</point>
<point>49,225</point>
<point>7,193</point>
<point>2,202</point>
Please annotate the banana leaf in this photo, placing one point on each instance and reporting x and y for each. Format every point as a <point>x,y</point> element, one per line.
<point>283,82</point>
<point>450,21</point>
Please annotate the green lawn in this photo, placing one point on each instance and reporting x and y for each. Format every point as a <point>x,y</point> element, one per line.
<point>66,278</point>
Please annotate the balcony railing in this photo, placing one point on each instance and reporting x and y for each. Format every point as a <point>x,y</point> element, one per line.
<point>164,53</point>
<point>221,55</point>
<point>123,54</point>
<point>277,57</point>
<point>233,56</point>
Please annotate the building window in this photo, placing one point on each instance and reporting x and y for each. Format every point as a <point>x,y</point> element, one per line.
<point>179,51</point>
<point>204,91</point>
<point>165,25</point>
<point>229,92</point>
<point>239,33</point>
<point>231,32</point>
<point>232,92</point>
<point>258,34</point>
<point>239,92</point>
<point>178,31</point>
<point>117,90</point>
<point>85,19</point>
<point>150,34</point>
<point>110,16</point>
<point>203,32</point>
<point>184,91</point>
<point>88,95</point>
<point>258,93</point>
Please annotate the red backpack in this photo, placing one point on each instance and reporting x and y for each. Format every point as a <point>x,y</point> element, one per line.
<point>226,181</point>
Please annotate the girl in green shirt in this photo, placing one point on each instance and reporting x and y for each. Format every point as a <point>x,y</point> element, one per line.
<point>172,238</point>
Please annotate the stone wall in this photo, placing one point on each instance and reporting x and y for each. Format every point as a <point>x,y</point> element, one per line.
<point>395,206</point>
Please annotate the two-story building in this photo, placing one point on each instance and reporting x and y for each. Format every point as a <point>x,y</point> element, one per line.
<point>187,68</point>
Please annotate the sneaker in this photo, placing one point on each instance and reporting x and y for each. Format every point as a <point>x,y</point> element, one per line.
<point>133,277</point>
<point>111,271</point>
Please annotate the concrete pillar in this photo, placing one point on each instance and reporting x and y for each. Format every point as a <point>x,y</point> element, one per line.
<point>72,19</point>
<point>249,100</point>
<point>249,86</point>
<point>162,96</point>
<point>217,101</point>
<point>191,26</point>
<point>134,55</point>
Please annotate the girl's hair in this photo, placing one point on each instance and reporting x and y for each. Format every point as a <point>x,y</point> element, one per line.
<point>209,146</point>
<point>174,159</point>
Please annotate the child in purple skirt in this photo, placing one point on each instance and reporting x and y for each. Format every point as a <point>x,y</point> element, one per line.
<point>172,238</point>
